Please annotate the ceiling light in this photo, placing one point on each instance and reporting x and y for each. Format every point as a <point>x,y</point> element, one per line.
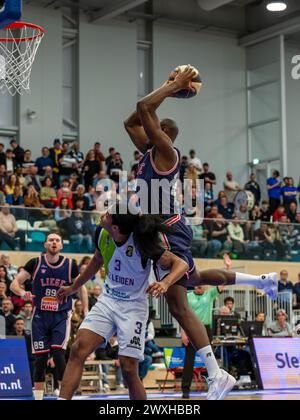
<point>276,6</point>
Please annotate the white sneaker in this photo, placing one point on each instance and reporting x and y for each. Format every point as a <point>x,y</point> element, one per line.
<point>220,386</point>
<point>270,285</point>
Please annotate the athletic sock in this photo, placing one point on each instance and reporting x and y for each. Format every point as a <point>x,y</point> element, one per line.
<point>208,357</point>
<point>247,279</point>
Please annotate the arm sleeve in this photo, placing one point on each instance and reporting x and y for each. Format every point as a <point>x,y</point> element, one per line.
<point>31,265</point>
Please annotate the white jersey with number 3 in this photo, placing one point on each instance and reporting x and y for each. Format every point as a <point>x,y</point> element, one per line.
<point>128,273</point>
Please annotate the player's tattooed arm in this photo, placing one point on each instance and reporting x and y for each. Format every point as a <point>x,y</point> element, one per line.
<point>136,132</point>
<point>178,268</point>
<point>92,268</point>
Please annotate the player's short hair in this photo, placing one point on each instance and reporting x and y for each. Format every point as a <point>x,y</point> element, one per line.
<point>54,233</point>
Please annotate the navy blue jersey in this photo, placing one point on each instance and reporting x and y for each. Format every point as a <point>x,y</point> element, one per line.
<point>148,172</point>
<point>47,280</point>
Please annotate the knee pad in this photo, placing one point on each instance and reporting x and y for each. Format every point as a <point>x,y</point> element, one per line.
<point>40,367</point>
<point>59,357</point>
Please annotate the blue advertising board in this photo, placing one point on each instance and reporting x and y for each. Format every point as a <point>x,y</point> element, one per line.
<point>15,380</point>
<point>174,358</point>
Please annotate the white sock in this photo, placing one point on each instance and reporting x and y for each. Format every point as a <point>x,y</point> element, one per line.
<point>250,280</point>
<point>38,395</point>
<point>210,361</point>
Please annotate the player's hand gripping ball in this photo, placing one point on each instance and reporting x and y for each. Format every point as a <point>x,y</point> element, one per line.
<point>188,80</point>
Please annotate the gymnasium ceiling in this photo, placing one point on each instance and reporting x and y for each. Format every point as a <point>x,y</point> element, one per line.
<point>239,17</point>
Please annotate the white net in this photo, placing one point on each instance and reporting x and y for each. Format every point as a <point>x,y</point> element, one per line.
<point>18,47</point>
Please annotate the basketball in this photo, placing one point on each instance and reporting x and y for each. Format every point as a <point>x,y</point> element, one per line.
<point>195,84</point>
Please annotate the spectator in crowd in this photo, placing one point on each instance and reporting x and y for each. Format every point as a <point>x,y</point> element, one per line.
<point>236,233</point>
<point>80,231</point>
<point>231,187</point>
<point>49,173</point>
<point>3,293</point>
<point>91,167</point>
<point>280,328</point>
<point>91,196</point>
<point>101,176</point>
<point>110,157</point>
<point>78,155</point>
<point>55,154</point>
<point>17,151</point>
<point>151,348</point>
<point>291,211</point>
<point>242,213</point>
<point>253,187</point>
<point>207,176</point>
<point>211,215</point>
<point>296,294</point>
<point>225,208</point>
<point>255,215</point>
<point>265,211</point>
<point>285,286</point>
<point>8,229</point>
<point>12,270</point>
<point>96,291</point>
<point>73,182</point>
<point>200,243</point>
<point>21,178</point>
<point>61,216</point>
<point>219,237</point>
<point>3,177</point>
<point>201,301</point>
<point>31,198</point>
<point>67,163</point>
<point>7,312</point>
<point>261,317</point>
<point>183,168</point>
<point>279,212</point>
<point>33,178</point>
<point>137,156</point>
<point>26,314</point>
<point>10,162</point>
<point>14,192</point>
<point>99,155</point>
<point>48,195</point>
<point>208,196</point>
<point>27,162</point>
<point>274,191</point>
<point>115,167</point>
<point>229,305</point>
<point>2,154</point>
<point>195,161</point>
<point>80,196</point>
<point>289,193</point>
<point>4,276</point>
<point>191,174</point>
<point>65,184</point>
<point>78,309</point>
<point>43,161</point>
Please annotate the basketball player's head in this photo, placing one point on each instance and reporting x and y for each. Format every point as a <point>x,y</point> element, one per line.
<point>170,128</point>
<point>53,244</point>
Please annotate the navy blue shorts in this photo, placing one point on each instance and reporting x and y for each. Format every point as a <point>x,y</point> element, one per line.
<point>179,240</point>
<point>50,330</point>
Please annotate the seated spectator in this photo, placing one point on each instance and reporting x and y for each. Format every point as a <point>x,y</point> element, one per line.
<point>91,196</point>
<point>3,177</point>
<point>263,240</point>
<point>208,196</point>
<point>14,192</point>
<point>225,208</point>
<point>277,215</point>
<point>12,270</point>
<point>17,302</point>
<point>48,174</point>
<point>20,177</point>
<point>73,182</point>
<point>199,243</point>
<point>242,213</point>
<point>280,328</point>
<point>80,196</point>
<point>265,211</point>
<point>91,167</point>
<point>231,187</point>
<point>43,161</point>
<point>228,308</point>
<point>3,293</point>
<point>261,317</point>
<point>8,229</point>
<point>27,162</point>
<point>80,231</point>
<point>253,187</point>
<point>191,174</point>
<point>285,286</point>
<point>62,214</point>
<point>255,214</point>
<point>65,184</point>
<point>100,176</point>
<point>31,198</point>
<point>48,194</point>
<point>78,155</point>
<point>211,215</point>
<point>220,239</point>
<point>67,163</point>
<point>236,233</point>
<point>4,277</point>
<point>33,178</point>
<point>183,167</point>
<point>109,158</point>
<point>296,294</point>
<point>289,193</point>
<point>98,154</point>
<point>96,291</point>
<point>137,156</point>
<point>115,167</point>
<point>291,212</point>
<point>20,331</point>
<point>55,154</point>
<point>195,161</point>
<point>10,162</point>
<point>78,310</point>
<point>7,312</point>
<point>26,314</point>
<point>274,191</point>
<point>66,193</point>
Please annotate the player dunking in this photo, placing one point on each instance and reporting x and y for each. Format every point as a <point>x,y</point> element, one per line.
<point>161,161</point>
<point>125,243</point>
<point>51,320</point>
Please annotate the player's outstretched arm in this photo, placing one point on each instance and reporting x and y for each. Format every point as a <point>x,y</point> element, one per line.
<point>178,268</point>
<point>18,281</point>
<point>136,132</point>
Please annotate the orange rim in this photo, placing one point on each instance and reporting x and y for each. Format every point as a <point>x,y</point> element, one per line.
<point>20,25</point>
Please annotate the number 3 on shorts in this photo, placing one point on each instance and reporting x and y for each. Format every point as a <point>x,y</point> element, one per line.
<point>139,326</point>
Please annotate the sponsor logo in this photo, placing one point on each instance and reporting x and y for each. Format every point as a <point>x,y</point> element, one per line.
<point>135,342</point>
<point>129,251</point>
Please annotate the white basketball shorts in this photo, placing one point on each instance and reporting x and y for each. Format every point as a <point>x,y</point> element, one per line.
<point>126,319</point>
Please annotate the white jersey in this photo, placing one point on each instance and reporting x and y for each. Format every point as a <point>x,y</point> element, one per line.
<point>128,274</point>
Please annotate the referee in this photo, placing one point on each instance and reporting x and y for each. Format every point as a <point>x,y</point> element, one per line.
<point>201,301</point>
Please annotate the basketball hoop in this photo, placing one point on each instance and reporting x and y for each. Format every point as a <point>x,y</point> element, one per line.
<point>19,43</point>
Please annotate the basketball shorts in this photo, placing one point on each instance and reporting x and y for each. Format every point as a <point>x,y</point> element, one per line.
<point>126,319</point>
<point>50,330</point>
